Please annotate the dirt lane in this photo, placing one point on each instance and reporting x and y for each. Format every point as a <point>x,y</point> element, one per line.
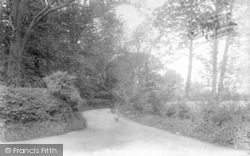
<point>104,136</point>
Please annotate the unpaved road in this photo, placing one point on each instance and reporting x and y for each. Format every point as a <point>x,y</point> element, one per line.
<point>104,137</point>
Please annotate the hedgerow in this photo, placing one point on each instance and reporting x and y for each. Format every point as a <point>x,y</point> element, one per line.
<point>28,113</point>
<point>23,108</point>
<point>223,124</point>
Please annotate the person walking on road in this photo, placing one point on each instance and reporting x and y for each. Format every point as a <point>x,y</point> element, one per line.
<point>116,113</point>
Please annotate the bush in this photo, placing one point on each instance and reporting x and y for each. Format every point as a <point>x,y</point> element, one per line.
<point>177,125</point>
<point>226,124</point>
<point>147,102</point>
<point>61,85</point>
<point>177,110</point>
<point>227,134</point>
<point>139,102</point>
<point>223,124</point>
<point>150,120</point>
<point>203,130</point>
<point>18,132</point>
<point>33,112</point>
<point>174,125</point>
<point>24,105</point>
<point>59,81</point>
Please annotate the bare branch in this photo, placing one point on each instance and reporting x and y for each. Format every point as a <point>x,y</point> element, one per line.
<point>56,8</point>
<point>42,14</point>
<point>34,21</point>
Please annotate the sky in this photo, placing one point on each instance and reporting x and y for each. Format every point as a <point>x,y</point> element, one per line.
<point>133,18</point>
<point>131,15</point>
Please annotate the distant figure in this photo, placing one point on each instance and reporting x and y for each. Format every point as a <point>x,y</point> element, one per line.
<point>116,114</point>
<point>116,111</point>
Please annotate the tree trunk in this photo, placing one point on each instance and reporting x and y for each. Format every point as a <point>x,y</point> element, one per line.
<point>190,66</point>
<point>214,56</point>
<point>18,38</point>
<point>223,69</point>
<point>16,44</point>
<point>135,82</point>
<point>146,77</point>
<point>190,59</point>
<point>14,63</point>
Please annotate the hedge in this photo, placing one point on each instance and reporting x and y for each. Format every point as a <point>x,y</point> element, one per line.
<point>28,113</point>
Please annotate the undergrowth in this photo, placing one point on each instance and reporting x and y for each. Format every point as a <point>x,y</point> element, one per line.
<point>225,124</point>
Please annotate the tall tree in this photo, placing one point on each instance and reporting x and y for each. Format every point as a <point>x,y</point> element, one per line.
<point>171,18</point>
<point>238,10</point>
<point>223,68</point>
<point>214,8</point>
<point>20,24</point>
<point>215,53</point>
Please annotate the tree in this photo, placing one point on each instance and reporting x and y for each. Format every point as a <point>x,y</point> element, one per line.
<point>231,40</point>
<point>223,68</point>
<point>171,86</point>
<point>19,29</point>
<point>219,6</point>
<point>171,18</point>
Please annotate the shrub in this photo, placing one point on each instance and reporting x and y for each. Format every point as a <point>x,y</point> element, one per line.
<point>23,105</point>
<point>177,110</point>
<point>229,134</point>
<point>139,101</point>
<point>225,124</point>
<point>150,120</point>
<point>59,81</point>
<point>18,132</point>
<point>33,112</point>
<point>177,125</point>
<point>174,125</point>
<point>61,85</point>
<point>147,102</point>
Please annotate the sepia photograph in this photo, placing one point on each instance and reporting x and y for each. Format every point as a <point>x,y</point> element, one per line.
<point>124,77</point>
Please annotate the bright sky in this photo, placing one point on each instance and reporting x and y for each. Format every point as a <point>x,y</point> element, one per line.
<point>132,17</point>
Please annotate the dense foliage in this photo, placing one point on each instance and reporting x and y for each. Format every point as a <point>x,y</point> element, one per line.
<point>226,124</point>
<point>60,57</point>
<point>29,113</point>
<point>62,86</point>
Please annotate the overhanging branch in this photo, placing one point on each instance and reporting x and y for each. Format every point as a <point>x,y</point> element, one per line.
<point>44,12</point>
